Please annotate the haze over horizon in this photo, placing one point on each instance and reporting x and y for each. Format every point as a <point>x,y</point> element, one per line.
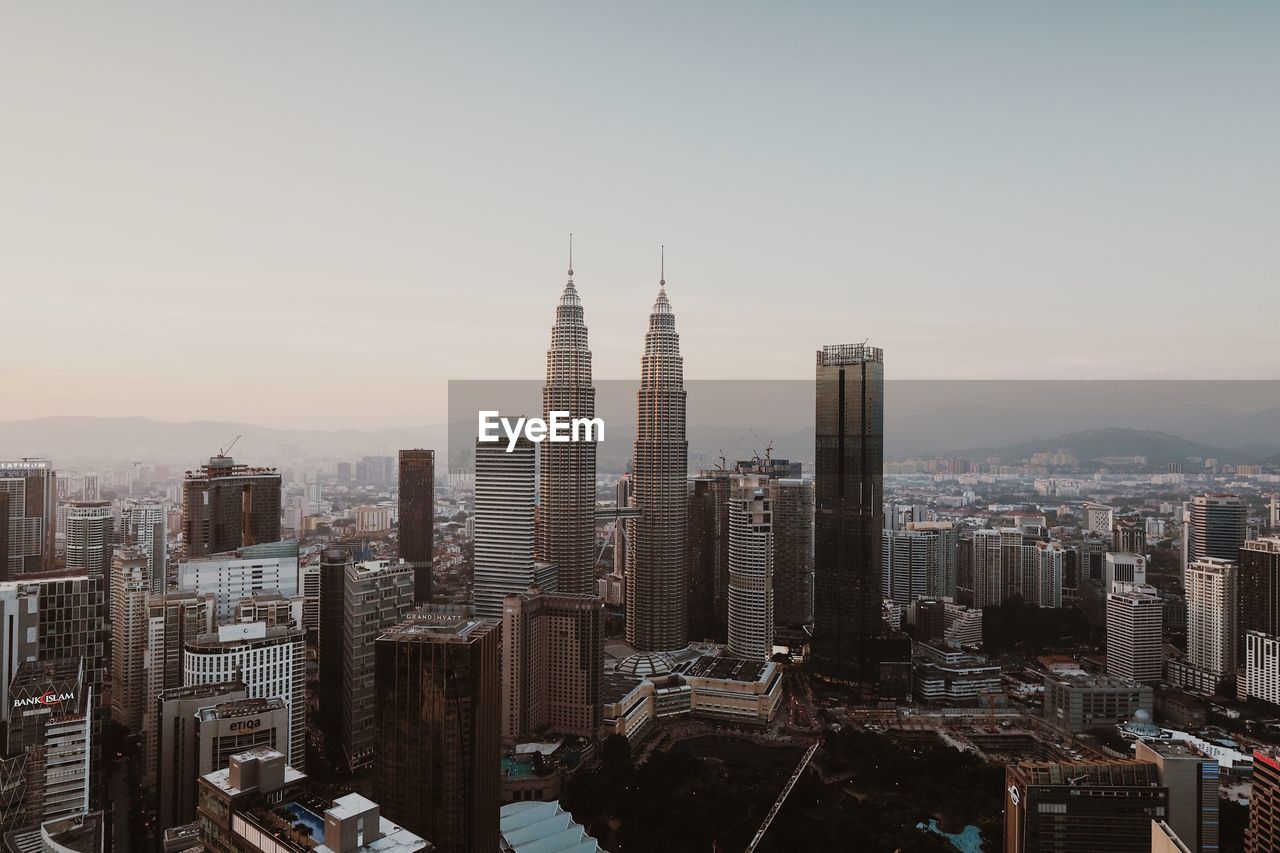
<point>259,210</point>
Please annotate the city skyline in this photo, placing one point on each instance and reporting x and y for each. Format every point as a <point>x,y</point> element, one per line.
<point>986,167</point>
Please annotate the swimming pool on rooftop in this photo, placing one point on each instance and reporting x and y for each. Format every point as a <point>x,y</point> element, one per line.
<point>299,813</point>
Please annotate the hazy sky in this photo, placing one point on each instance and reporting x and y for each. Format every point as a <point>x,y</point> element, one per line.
<point>249,211</point>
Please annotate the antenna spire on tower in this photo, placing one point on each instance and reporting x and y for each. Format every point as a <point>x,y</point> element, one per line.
<point>662,265</point>
<point>570,254</point>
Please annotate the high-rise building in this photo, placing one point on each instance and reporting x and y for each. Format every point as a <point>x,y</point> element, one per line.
<point>226,506</point>
<point>918,560</point>
<point>309,583</point>
<point>1003,563</point>
<point>1134,633</point>
<point>657,606</point>
<point>707,559</point>
<point>145,526</point>
<point>173,619</point>
<point>270,661</point>
<point>848,512</point>
<point>130,586</point>
<point>566,511</point>
<point>1050,565</point>
<point>334,561</point>
<point>1099,518</point>
<point>552,664</point>
<point>437,755</point>
<point>378,594</point>
<point>1129,536</point>
<point>1262,835</point>
<point>1212,628</point>
<point>1123,567</point>
<point>1073,806</point>
<point>242,573</point>
<point>1259,573</point>
<point>792,500</point>
<point>177,739</point>
<point>751,615</point>
<point>1214,525</point>
<point>417,517</point>
<point>503,542</point>
<point>30,487</point>
<point>1192,780</point>
<point>90,534</point>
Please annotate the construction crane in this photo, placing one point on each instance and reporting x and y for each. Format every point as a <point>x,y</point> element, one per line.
<point>224,451</point>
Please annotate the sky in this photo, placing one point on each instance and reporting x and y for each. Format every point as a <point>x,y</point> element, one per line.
<point>245,211</point>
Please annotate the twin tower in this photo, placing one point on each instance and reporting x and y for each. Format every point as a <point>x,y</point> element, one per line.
<point>657,602</point>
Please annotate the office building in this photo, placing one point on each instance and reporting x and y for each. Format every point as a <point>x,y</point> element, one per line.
<point>1212,632</point>
<point>504,523</point>
<point>1099,519</point>
<point>144,525</point>
<point>334,561</point>
<point>377,595</point>
<point>309,583</point>
<point>226,506</point>
<point>90,538</point>
<point>949,677</point>
<point>848,512</point>
<point>1077,703</point>
<point>271,608</point>
<point>173,619</point>
<point>552,660</point>
<point>1262,835</point>
<point>437,754</point>
<point>30,492</point>
<point>242,573</point>
<point>270,661</point>
<point>657,604</point>
<point>258,802</point>
<point>1192,780</point>
<point>1129,536</point>
<point>1123,568</point>
<point>792,502</point>
<point>751,616</point>
<point>707,559</point>
<point>1134,638</point>
<point>1079,806</point>
<point>130,586</point>
<point>1214,525</point>
<point>235,725</point>
<point>566,512</point>
<point>176,737</point>
<point>1259,612</point>
<point>417,490</point>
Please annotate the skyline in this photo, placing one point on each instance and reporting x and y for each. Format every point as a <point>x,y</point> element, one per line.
<point>945,183</point>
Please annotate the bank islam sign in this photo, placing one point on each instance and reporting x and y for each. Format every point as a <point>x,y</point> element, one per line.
<point>45,699</point>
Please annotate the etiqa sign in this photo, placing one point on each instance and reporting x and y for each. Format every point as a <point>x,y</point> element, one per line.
<point>558,427</point>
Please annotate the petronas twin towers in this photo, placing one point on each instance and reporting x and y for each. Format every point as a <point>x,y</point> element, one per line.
<point>656,599</point>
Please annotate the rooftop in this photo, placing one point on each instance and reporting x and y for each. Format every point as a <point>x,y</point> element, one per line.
<point>534,827</point>
<point>727,669</point>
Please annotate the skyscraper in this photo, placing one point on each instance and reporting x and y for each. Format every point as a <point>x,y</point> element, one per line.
<point>1259,573</point>
<point>1134,638</point>
<point>657,606</point>
<point>377,595</point>
<point>242,573</point>
<point>1212,628</point>
<point>172,619</point>
<point>130,585</point>
<point>145,526</point>
<point>1214,526</point>
<point>1192,780</point>
<point>1262,835</point>
<point>918,560</point>
<point>90,531</point>
<point>552,661</point>
<point>707,557</point>
<point>417,517</point>
<point>226,506</point>
<point>750,568</point>
<point>566,512</point>
<point>176,739</point>
<point>31,520</point>
<point>503,553</point>
<point>792,503</point>
<point>849,514</point>
<point>437,754</point>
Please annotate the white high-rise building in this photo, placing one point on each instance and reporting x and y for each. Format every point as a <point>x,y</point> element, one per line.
<point>1262,666</point>
<point>1135,622</point>
<point>270,661</point>
<point>504,527</point>
<point>244,573</point>
<point>657,593</point>
<point>1212,635</point>
<point>1123,568</point>
<point>145,526</point>
<point>750,567</point>
<point>918,560</point>
<point>90,529</point>
<point>1099,519</point>
<point>1050,561</point>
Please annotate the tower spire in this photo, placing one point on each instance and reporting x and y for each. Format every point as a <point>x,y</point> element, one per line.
<point>662,266</point>
<point>570,254</point>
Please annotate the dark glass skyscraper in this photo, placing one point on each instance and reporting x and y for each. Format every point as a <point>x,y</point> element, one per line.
<point>226,506</point>
<point>849,463</point>
<point>417,515</point>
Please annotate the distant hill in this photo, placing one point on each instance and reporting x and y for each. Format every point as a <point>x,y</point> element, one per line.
<point>1160,448</point>
<point>88,440</point>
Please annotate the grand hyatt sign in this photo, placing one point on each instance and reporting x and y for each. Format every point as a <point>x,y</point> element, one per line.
<point>45,699</point>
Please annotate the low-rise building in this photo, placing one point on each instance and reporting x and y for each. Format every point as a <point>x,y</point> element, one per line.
<point>1076,703</point>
